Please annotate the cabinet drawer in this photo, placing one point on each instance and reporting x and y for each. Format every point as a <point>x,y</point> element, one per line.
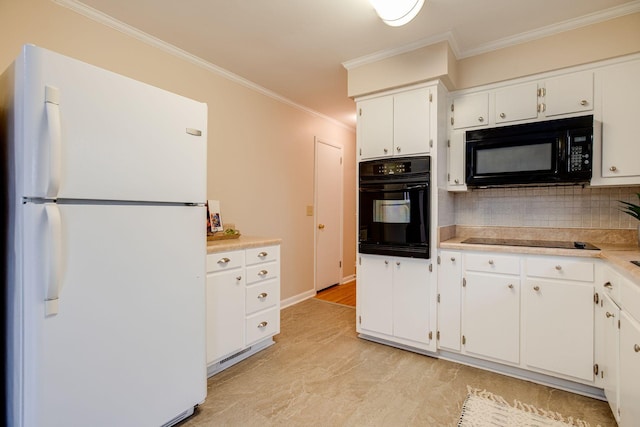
<point>222,261</point>
<point>492,263</point>
<point>262,296</point>
<point>262,272</point>
<point>262,254</point>
<point>262,325</point>
<point>560,268</point>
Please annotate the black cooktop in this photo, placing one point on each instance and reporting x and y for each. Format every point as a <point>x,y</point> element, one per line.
<point>531,243</point>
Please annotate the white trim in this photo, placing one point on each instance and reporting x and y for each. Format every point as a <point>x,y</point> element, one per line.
<point>571,24</point>
<point>117,25</point>
<point>348,279</point>
<point>297,299</point>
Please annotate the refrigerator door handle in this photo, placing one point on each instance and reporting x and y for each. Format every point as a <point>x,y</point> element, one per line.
<point>52,104</point>
<point>54,225</point>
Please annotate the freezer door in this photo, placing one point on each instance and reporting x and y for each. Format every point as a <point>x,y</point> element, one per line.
<point>125,344</point>
<point>88,133</point>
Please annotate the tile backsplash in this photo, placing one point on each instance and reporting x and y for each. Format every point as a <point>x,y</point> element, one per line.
<point>564,207</point>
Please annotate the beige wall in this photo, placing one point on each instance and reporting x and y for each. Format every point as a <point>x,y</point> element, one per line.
<point>608,39</point>
<point>261,151</point>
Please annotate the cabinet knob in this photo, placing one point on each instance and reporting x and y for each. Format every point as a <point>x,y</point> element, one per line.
<point>503,115</point>
<point>224,260</point>
<point>398,263</point>
<point>613,168</point>
<point>262,254</point>
<point>610,315</point>
<point>398,149</point>
<point>584,102</point>
<point>320,226</point>
<point>262,295</point>
<point>558,267</point>
<point>608,285</point>
<point>453,259</point>
<point>481,119</point>
<point>510,286</point>
<point>457,181</point>
<point>386,262</point>
<point>263,273</point>
<point>536,288</point>
<point>385,151</point>
<point>636,348</point>
<point>490,262</point>
<point>262,324</point>
<point>238,278</point>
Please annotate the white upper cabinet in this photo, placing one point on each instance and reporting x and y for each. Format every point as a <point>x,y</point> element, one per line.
<point>518,102</point>
<point>395,125</point>
<point>375,127</point>
<point>470,110</point>
<point>567,94</point>
<point>618,88</point>
<point>456,161</point>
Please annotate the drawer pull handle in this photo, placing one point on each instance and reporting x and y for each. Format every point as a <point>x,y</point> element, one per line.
<point>262,325</point>
<point>224,260</point>
<point>490,262</point>
<point>263,273</point>
<point>558,267</point>
<point>262,295</point>
<point>510,286</point>
<point>262,254</point>
<point>610,315</point>
<point>238,278</point>
<point>536,288</point>
<point>608,285</point>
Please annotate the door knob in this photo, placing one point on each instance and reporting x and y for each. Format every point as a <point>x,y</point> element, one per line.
<point>321,226</point>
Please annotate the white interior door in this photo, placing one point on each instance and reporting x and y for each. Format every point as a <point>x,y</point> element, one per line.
<point>328,210</point>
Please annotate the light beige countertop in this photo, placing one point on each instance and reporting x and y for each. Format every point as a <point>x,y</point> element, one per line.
<point>618,247</point>
<point>243,242</point>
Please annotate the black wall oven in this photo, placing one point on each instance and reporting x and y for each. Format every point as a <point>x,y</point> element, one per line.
<point>394,207</point>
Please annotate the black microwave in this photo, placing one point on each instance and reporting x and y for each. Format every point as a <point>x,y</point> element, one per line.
<point>550,152</point>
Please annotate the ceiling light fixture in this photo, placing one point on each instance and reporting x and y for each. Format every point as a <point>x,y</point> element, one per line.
<point>397,12</point>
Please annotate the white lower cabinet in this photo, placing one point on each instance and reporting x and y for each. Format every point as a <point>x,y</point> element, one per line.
<point>395,300</point>
<point>449,300</point>
<point>629,370</point>
<point>609,364</point>
<point>243,304</point>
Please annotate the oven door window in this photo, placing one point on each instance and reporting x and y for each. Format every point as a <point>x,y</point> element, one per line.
<point>394,214</point>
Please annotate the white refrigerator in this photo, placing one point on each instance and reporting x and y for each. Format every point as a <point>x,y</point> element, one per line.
<point>106,246</point>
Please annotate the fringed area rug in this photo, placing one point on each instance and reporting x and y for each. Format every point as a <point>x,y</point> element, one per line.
<point>483,408</point>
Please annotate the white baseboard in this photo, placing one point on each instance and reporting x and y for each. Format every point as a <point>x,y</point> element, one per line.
<point>297,298</point>
<point>348,279</point>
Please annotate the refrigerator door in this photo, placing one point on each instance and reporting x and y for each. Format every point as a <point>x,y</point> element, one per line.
<point>124,343</point>
<point>88,133</point>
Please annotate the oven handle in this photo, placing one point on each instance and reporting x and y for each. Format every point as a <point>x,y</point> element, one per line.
<point>396,190</point>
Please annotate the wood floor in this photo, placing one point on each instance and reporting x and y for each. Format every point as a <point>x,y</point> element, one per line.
<point>344,294</point>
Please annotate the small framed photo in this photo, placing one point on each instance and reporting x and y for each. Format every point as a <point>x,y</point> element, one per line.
<point>214,219</point>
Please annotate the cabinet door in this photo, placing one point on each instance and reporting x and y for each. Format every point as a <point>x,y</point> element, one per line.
<point>411,299</point>
<point>558,327</point>
<point>225,314</point>
<point>518,102</point>
<point>375,127</point>
<point>569,94</point>
<point>375,294</point>
<point>470,110</point>
<point>629,371</point>
<point>609,317</point>
<point>491,316</point>
<point>449,290</point>
<point>411,122</point>
<point>456,162</point>
<point>620,93</point>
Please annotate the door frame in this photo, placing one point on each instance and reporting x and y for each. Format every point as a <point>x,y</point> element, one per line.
<point>316,141</point>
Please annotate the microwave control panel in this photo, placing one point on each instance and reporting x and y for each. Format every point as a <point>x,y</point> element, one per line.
<point>580,152</point>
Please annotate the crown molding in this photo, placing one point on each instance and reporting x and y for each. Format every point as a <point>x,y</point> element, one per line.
<point>388,53</point>
<point>550,30</point>
<point>120,26</point>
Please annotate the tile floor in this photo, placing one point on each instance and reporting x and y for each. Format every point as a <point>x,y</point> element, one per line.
<point>319,373</point>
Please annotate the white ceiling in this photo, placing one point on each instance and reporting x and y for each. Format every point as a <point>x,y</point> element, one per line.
<point>296,48</point>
